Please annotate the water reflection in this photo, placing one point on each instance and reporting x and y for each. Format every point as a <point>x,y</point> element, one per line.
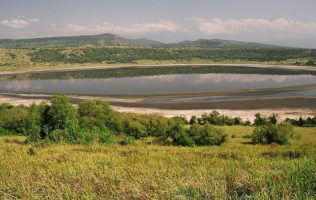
<point>159,84</point>
<point>217,78</point>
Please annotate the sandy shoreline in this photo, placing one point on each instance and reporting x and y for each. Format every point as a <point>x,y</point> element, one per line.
<point>293,67</point>
<point>245,114</point>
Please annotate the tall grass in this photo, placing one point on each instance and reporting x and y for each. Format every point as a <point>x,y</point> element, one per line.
<point>235,170</point>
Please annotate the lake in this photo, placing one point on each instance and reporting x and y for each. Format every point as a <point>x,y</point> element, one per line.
<point>83,83</point>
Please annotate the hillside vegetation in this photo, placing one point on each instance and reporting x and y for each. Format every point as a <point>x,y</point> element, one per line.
<point>114,40</point>
<point>109,49</point>
<point>54,58</point>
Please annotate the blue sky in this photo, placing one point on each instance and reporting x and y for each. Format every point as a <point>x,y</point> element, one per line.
<point>286,22</point>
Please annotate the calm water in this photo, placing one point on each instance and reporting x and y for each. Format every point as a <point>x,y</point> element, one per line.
<point>160,84</point>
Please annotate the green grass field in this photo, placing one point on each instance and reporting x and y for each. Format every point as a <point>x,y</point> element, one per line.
<point>146,170</point>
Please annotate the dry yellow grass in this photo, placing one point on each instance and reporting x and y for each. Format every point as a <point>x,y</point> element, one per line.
<point>148,171</point>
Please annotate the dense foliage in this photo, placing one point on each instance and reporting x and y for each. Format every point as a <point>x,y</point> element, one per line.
<point>308,122</point>
<point>94,121</point>
<point>54,58</point>
<point>131,55</point>
<point>217,119</point>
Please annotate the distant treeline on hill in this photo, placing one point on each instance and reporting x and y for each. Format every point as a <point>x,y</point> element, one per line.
<point>132,55</point>
<point>114,40</point>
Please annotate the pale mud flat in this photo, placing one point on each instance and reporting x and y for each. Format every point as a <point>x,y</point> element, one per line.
<point>20,101</point>
<point>243,114</point>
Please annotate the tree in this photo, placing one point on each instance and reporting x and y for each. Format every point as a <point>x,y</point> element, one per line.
<point>63,117</point>
<point>135,129</point>
<point>204,118</point>
<point>35,122</point>
<point>259,120</point>
<point>95,114</point>
<point>193,120</point>
<point>215,118</point>
<point>273,119</point>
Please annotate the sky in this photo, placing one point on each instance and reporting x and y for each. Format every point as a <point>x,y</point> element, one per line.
<point>282,22</point>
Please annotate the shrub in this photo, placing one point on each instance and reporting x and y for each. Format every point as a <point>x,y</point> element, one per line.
<point>207,134</point>
<point>106,137</point>
<point>126,140</point>
<point>273,119</point>
<point>217,119</point>
<point>259,121</point>
<point>135,129</point>
<point>62,114</point>
<point>57,136</point>
<point>193,120</point>
<point>176,133</point>
<point>12,118</point>
<point>247,136</point>
<point>36,122</point>
<point>183,139</point>
<point>271,133</point>
<point>95,113</point>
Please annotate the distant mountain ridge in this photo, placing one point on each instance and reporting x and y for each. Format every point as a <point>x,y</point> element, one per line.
<point>114,40</point>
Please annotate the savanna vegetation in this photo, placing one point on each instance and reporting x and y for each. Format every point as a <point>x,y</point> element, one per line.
<point>94,121</point>
<point>48,58</point>
<point>88,151</point>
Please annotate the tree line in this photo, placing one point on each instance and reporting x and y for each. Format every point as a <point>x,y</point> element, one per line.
<point>131,55</point>
<point>94,121</point>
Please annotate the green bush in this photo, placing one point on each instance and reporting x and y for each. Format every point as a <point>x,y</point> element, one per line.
<point>106,137</point>
<point>183,139</point>
<point>135,129</point>
<point>247,136</point>
<point>270,133</point>
<point>12,118</point>
<point>259,121</point>
<point>57,136</point>
<point>207,135</point>
<point>6,132</point>
<point>126,140</point>
<point>95,114</point>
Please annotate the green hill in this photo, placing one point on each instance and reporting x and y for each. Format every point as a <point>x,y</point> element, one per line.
<point>72,41</point>
<point>218,43</point>
<point>114,40</point>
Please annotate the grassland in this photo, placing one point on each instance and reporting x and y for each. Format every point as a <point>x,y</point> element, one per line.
<point>147,170</point>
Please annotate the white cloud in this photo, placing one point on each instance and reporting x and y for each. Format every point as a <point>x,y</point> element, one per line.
<point>34,20</point>
<point>17,23</point>
<point>138,28</point>
<point>234,26</point>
